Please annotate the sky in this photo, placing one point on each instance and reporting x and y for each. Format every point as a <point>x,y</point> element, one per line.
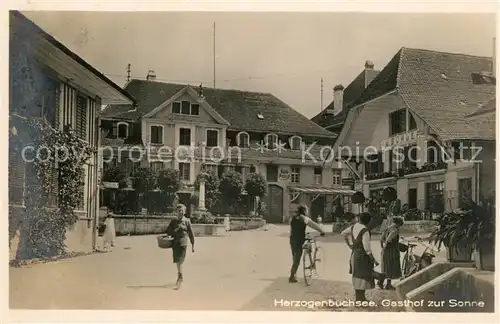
<point>285,54</point>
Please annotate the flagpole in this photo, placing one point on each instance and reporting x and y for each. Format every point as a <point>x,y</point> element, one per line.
<point>214,54</point>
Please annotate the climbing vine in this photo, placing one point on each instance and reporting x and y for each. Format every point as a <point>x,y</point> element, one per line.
<point>54,185</point>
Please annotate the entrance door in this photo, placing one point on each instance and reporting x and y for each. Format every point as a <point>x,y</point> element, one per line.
<point>318,208</point>
<point>274,202</point>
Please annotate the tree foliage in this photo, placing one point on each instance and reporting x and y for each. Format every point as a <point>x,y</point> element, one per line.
<point>169,182</point>
<point>212,194</point>
<point>230,187</point>
<point>58,174</point>
<point>256,185</point>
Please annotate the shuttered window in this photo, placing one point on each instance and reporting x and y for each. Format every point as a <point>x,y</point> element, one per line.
<point>16,178</point>
<point>81,117</point>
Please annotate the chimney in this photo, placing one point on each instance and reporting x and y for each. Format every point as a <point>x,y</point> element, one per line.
<point>494,57</point>
<point>338,99</point>
<point>151,75</point>
<point>369,65</point>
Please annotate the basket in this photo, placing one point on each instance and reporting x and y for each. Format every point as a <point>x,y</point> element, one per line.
<point>164,242</point>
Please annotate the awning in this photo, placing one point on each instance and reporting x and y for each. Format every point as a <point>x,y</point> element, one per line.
<point>322,190</point>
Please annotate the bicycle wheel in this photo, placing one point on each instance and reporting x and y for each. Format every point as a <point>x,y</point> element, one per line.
<point>408,267</point>
<point>319,262</point>
<point>307,265</point>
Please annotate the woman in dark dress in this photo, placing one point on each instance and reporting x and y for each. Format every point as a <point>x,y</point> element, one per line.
<point>362,262</point>
<point>391,259</point>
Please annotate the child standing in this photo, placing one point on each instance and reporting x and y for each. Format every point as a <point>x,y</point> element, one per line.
<point>109,235</point>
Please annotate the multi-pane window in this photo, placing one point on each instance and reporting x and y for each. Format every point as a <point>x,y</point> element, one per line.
<point>157,134</point>
<point>271,141</point>
<point>212,137</point>
<point>295,176</point>
<point>374,163</point>
<point>295,143</point>
<point>243,140</point>
<point>185,171</point>
<point>410,156</point>
<point>435,153</point>
<point>337,177</point>
<point>185,136</point>
<point>122,130</point>
<point>397,122</point>
<point>318,175</point>
<point>185,108</point>
<point>435,197</point>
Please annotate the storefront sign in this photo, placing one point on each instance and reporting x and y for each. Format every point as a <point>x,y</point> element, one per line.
<point>400,140</point>
<point>284,174</point>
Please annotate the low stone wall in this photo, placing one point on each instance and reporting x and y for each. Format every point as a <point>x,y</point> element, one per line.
<point>424,276</point>
<point>458,290</point>
<point>144,225</point>
<point>208,229</point>
<point>421,226</point>
<point>141,225</point>
<point>241,224</point>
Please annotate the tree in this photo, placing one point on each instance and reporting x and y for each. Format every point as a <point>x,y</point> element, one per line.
<point>212,193</point>
<point>144,181</point>
<point>230,187</point>
<point>169,182</point>
<point>255,186</point>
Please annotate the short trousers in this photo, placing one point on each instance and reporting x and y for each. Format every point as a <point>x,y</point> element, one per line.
<point>179,253</point>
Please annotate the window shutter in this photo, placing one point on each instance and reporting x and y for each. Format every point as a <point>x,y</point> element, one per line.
<point>16,178</point>
<point>81,117</point>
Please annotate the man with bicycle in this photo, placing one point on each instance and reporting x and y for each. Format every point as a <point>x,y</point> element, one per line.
<point>298,227</point>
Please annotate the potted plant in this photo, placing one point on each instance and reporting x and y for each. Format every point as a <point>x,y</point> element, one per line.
<point>452,233</point>
<point>465,231</point>
<point>484,236</point>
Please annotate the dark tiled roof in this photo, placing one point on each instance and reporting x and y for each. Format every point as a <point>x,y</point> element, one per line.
<point>239,108</point>
<point>351,93</point>
<point>437,87</point>
<point>490,106</point>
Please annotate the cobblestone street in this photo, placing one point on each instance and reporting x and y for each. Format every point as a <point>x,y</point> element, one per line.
<point>244,271</point>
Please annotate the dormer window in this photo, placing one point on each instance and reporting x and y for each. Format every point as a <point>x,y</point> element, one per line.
<point>243,139</point>
<point>271,141</point>
<point>122,130</point>
<point>185,108</point>
<point>295,142</point>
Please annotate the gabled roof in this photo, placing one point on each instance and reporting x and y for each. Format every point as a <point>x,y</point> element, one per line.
<point>239,108</point>
<point>351,93</point>
<point>188,90</point>
<point>27,28</point>
<point>437,87</point>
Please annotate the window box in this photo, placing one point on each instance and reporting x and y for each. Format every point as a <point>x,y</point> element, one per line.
<point>377,176</point>
<point>433,166</point>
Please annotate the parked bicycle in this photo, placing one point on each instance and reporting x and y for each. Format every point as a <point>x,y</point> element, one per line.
<point>311,258</point>
<point>413,263</point>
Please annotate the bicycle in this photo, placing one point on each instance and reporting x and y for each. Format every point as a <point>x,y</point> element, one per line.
<point>312,255</point>
<point>413,263</point>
